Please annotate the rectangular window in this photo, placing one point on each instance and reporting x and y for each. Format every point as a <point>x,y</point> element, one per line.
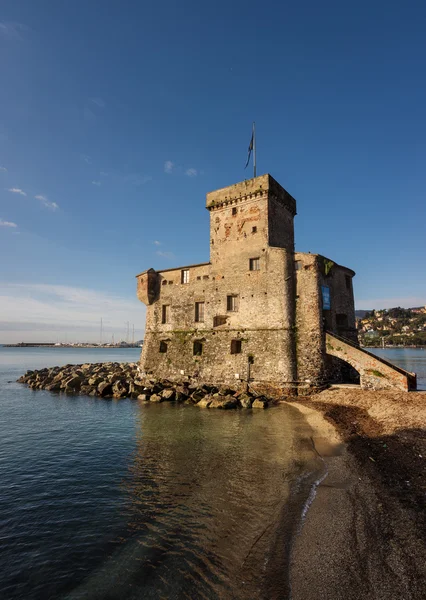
<point>298,265</point>
<point>234,212</point>
<point>163,347</point>
<point>197,348</point>
<point>165,313</point>
<point>254,264</point>
<point>232,303</point>
<point>254,229</point>
<point>199,312</point>
<point>236,347</point>
<point>348,282</point>
<point>184,276</point>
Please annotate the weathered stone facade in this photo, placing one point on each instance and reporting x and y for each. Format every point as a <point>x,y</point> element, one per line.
<point>255,313</point>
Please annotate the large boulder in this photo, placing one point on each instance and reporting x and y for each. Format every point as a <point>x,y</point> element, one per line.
<point>245,400</point>
<point>156,398</point>
<point>72,384</point>
<point>54,386</point>
<point>224,402</point>
<point>168,394</point>
<point>260,403</point>
<point>198,395</point>
<point>104,388</point>
<point>204,402</point>
<point>119,389</point>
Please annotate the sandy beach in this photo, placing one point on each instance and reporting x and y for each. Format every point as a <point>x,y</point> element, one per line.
<point>364,533</point>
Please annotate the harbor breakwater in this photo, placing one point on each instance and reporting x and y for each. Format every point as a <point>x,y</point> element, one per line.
<point>123,380</point>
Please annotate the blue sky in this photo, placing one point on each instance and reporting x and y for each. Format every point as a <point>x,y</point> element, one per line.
<point>116,118</point>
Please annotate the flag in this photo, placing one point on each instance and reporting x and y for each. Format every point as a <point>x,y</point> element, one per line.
<point>250,148</point>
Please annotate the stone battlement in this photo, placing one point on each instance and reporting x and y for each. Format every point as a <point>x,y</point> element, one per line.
<point>264,185</point>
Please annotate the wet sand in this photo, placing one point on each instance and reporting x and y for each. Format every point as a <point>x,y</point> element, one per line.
<point>364,535</point>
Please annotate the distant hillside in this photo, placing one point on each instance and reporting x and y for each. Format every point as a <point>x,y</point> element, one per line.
<point>360,314</point>
<point>393,326</point>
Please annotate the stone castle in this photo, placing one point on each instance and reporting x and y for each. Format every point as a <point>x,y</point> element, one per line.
<point>258,313</point>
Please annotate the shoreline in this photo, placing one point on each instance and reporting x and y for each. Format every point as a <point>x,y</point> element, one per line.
<point>361,529</point>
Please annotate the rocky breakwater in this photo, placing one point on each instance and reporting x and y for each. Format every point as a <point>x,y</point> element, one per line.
<point>123,380</point>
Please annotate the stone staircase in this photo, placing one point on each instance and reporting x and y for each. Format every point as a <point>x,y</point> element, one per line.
<point>375,373</point>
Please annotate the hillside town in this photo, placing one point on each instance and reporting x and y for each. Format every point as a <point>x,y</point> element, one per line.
<point>392,327</point>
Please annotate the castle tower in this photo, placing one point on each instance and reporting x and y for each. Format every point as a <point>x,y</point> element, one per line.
<point>232,319</point>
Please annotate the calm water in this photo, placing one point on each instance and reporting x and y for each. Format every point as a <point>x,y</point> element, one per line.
<point>116,499</point>
<point>411,359</point>
<point>105,499</point>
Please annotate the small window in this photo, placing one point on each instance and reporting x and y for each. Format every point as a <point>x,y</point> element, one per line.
<point>163,347</point>
<point>184,276</point>
<point>298,265</point>
<point>348,282</point>
<point>254,229</point>
<point>199,312</point>
<point>198,348</point>
<point>342,321</point>
<point>236,347</point>
<point>218,321</point>
<point>164,282</point>
<point>232,303</point>
<point>254,264</point>
<point>234,212</point>
<point>198,277</point>
<point>165,313</point>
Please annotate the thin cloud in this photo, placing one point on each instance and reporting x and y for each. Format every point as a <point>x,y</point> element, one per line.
<point>17,191</point>
<point>103,174</point>
<point>167,255</point>
<point>137,179</point>
<point>98,183</point>
<point>98,101</point>
<point>191,172</point>
<point>3,170</point>
<point>169,166</point>
<point>43,307</point>
<point>86,158</point>
<point>11,30</point>
<point>46,202</point>
<point>7,223</point>
<point>157,243</point>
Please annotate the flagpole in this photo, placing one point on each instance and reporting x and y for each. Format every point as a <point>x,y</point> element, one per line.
<point>254,149</point>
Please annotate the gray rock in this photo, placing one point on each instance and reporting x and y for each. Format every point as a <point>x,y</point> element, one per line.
<point>105,388</point>
<point>72,384</point>
<point>119,389</point>
<point>156,398</point>
<point>53,387</point>
<point>260,403</point>
<point>245,400</point>
<point>198,395</point>
<point>224,402</point>
<point>168,394</point>
<point>205,402</point>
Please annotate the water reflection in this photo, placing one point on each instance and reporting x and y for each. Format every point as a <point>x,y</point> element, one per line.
<point>213,499</point>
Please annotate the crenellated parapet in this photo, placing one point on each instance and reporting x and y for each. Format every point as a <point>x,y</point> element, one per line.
<point>263,186</point>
